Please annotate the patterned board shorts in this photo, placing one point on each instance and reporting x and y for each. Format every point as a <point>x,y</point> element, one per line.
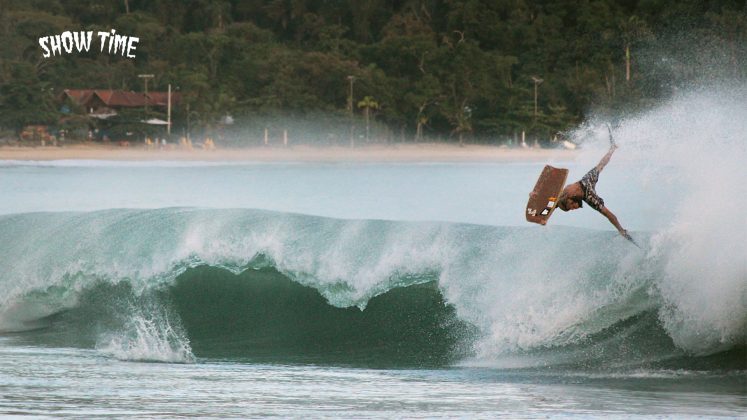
<point>588,184</point>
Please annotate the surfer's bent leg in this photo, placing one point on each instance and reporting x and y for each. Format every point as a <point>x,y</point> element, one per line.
<point>606,158</point>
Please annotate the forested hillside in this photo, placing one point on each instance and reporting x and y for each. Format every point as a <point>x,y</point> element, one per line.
<point>421,69</point>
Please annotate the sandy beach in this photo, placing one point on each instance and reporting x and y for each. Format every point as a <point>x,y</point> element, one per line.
<point>424,152</point>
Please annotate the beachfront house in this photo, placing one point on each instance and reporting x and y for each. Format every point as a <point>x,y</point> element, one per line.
<point>102,104</point>
<point>111,112</point>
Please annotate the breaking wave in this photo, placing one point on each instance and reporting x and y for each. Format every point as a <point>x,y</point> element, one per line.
<point>175,284</point>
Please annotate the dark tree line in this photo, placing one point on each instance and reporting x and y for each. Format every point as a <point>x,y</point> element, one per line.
<point>450,69</point>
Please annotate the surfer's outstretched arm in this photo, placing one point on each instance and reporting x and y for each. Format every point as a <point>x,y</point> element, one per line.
<point>613,219</point>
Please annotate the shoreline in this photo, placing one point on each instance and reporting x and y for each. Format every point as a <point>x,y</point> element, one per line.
<point>408,152</point>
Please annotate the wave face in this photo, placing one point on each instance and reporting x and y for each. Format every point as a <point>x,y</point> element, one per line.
<point>174,284</point>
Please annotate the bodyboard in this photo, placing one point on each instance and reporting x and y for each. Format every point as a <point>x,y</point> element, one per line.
<point>544,197</point>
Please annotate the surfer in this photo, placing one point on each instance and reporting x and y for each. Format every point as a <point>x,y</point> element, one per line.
<point>584,190</point>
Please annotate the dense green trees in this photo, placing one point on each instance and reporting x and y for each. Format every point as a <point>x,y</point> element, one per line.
<point>460,70</point>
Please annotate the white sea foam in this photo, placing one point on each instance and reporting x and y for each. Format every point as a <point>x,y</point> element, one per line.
<point>151,337</point>
<point>697,142</point>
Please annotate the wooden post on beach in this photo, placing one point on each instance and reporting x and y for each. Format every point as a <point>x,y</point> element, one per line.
<point>351,79</point>
<point>265,137</point>
<point>523,139</point>
<point>285,138</point>
<point>168,111</point>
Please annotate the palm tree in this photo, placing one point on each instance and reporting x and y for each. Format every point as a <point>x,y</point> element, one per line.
<point>367,104</point>
<point>421,121</point>
<point>632,29</point>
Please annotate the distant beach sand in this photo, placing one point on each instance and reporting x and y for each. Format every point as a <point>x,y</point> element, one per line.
<point>423,152</point>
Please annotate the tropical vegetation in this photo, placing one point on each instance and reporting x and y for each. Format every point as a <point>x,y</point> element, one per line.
<point>422,70</point>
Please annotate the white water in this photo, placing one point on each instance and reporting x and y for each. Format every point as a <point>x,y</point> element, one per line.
<point>147,335</point>
<point>699,140</point>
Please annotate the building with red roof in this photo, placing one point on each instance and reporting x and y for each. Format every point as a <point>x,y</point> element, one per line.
<point>104,103</point>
